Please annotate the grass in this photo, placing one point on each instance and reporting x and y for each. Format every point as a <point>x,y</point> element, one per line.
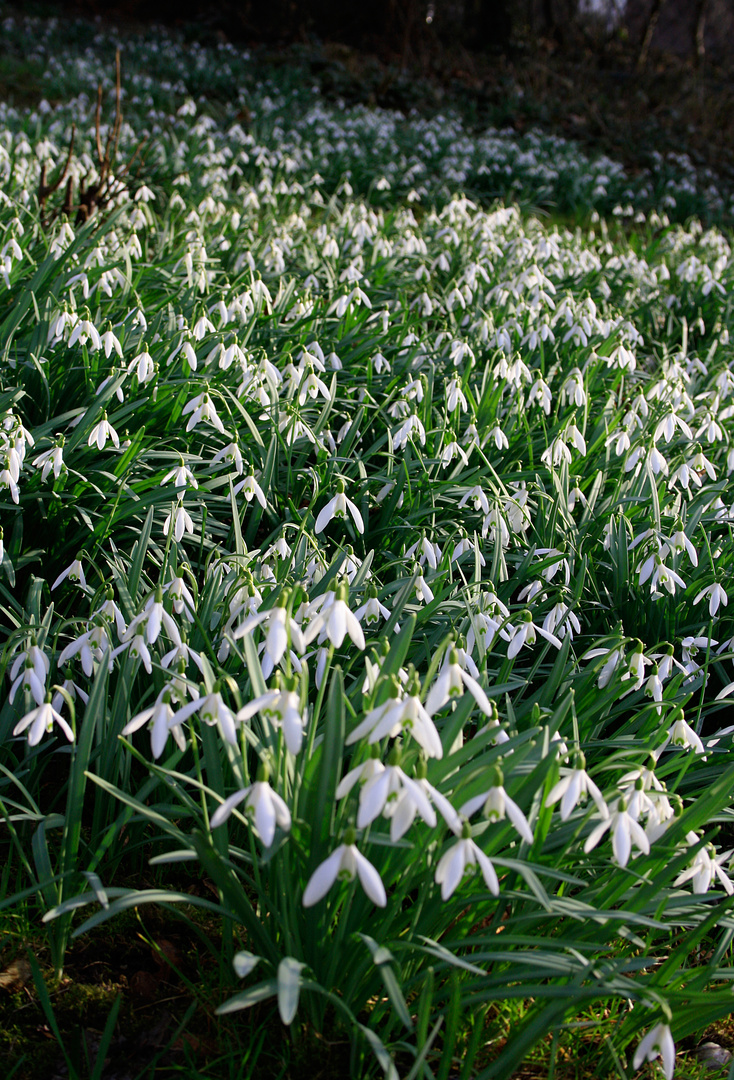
<point>365,584</point>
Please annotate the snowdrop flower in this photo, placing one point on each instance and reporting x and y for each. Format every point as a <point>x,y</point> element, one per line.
<point>463,856</point>
<point>430,552</point>
<point>705,867</point>
<point>162,721</point>
<point>74,572</point>
<point>561,618</point>
<point>654,688</point>
<point>636,667</point>
<point>477,495</point>
<point>101,432</point>
<point>90,646</point>
<point>337,507</point>
<point>181,475</point>
<point>143,366</point>
<point>525,634</point>
<point>40,721</point>
<point>232,455</point>
<point>625,831</point>
<point>181,653</point>
<point>343,865</point>
<point>155,617</point>
<point>51,459</point>
<point>360,774</point>
<point>451,682</point>
<point>336,620</point>
<point>679,542</point>
<point>657,1043</point>
<point>179,520</point>
<point>282,706</point>
<point>451,450</point>
<point>400,713</point>
<point>716,595</point>
<point>572,787</point>
<point>496,805</point>
<point>212,710</point>
<point>680,733</point>
<point>251,489</point>
<point>183,601</point>
<point>372,610</point>
<point>389,791</point>
<point>202,407</point>
<point>406,431</point>
<point>109,341</point>
<point>266,808</point>
<point>614,657</point>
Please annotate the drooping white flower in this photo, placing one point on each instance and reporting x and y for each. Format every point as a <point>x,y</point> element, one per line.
<point>74,572</point>
<point>337,507</point>
<point>251,489</point>
<point>525,634</point>
<point>335,621</point>
<point>281,627</point>
<point>344,864</point>
<point>496,805</point>
<point>262,804</point>
<point>162,721</point>
<point>576,785</point>
<point>657,1043</point>
<point>625,831</point>
<point>179,521</point>
<point>716,595</point>
<point>282,706</point>
<point>451,682</point>
<point>400,713</point>
<point>101,432</point>
<point>705,867</point>
<point>459,858</point>
<point>41,720</point>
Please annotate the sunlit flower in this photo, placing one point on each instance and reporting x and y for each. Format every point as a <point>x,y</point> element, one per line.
<point>343,865</point>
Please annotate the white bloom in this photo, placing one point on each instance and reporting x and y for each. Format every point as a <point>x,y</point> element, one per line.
<point>704,868</point>
<point>717,596</point>
<point>41,720</point>
<point>496,805</point>
<point>336,620</point>
<point>343,865</point>
<point>451,682</point>
<point>282,706</point>
<point>337,508</point>
<point>280,627</point>
<point>454,863</point>
<point>162,721</point>
<point>625,831</point>
<point>51,459</point>
<point>262,804</point>
<point>576,784</point>
<point>74,572</point>
<point>212,710</point>
<point>657,1043</point>
<point>180,521</point>
<point>101,432</point>
<point>394,794</point>
<point>400,713</point>
<point>525,634</point>
<point>251,489</point>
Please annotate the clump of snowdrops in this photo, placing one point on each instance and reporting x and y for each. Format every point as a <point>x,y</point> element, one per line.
<point>375,553</point>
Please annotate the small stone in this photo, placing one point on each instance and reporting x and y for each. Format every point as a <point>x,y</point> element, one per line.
<point>713,1055</point>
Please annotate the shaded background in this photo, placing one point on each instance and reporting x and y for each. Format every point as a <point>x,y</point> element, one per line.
<point>683,27</point>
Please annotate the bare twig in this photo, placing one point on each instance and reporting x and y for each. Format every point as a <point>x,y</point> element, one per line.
<point>649,32</point>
